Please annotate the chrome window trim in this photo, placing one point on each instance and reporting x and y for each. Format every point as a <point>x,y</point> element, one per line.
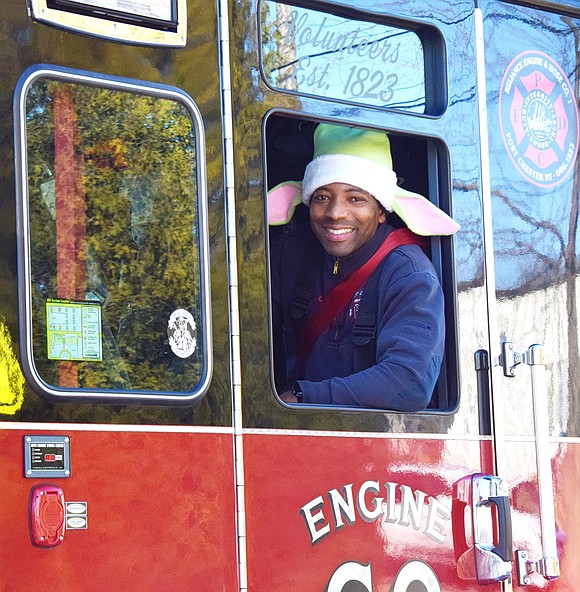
<point>435,79</point>
<point>61,74</point>
<point>449,382</point>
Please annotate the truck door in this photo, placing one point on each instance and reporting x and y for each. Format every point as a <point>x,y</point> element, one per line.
<point>530,93</point>
<point>349,498</point>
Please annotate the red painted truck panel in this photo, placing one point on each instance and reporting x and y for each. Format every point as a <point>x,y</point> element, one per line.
<point>160,513</point>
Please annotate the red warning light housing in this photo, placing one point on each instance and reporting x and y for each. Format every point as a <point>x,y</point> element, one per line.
<point>47,515</point>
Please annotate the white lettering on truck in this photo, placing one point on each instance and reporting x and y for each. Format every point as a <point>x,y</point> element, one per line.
<point>414,509</point>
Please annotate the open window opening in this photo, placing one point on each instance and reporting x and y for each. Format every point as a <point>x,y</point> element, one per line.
<point>421,166</point>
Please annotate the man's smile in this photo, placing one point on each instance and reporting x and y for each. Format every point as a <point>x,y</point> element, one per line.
<point>339,231</point>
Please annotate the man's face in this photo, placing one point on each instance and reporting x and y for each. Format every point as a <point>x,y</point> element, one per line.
<point>344,217</point>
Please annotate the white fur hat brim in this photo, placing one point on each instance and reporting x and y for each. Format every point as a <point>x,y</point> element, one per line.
<point>377,180</point>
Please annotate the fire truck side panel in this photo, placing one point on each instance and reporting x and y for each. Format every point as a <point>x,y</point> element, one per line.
<point>303,477</point>
<point>158,513</point>
<point>26,44</point>
<point>235,490</point>
<point>531,64</point>
<point>457,128</point>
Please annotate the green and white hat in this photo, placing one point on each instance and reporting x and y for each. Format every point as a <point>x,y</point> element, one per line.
<point>361,158</point>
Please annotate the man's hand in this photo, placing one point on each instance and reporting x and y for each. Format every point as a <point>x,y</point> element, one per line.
<point>289,397</point>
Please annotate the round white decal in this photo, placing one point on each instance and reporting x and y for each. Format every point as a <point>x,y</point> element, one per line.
<point>181,330</point>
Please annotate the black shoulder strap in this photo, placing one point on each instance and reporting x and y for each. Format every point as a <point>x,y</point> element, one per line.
<point>298,282</point>
<point>309,251</point>
<point>364,331</point>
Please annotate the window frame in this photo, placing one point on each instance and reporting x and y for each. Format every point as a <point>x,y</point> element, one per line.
<point>447,387</point>
<point>66,75</point>
<point>114,25</point>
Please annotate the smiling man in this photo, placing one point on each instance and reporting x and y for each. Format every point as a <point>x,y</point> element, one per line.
<point>357,306</point>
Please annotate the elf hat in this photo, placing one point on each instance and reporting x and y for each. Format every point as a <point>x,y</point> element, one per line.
<point>361,158</point>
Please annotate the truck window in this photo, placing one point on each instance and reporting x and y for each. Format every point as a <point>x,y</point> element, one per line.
<point>297,294</point>
<point>347,57</point>
<point>112,238</point>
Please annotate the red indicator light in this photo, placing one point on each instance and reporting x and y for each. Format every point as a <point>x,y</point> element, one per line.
<point>49,457</point>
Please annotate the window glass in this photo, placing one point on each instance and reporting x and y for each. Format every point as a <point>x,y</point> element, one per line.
<point>317,53</point>
<point>113,231</point>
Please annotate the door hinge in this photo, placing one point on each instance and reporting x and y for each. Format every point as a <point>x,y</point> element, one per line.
<point>509,358</point>
<point>549,568</point>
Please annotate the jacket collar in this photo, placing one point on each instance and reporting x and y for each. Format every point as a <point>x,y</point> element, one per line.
<point>348,264</point>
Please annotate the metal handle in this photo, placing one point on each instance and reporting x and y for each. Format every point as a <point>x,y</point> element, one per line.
<point>482,560</point>
<point>543,456</point>
<point>504,547</point>
<point>548,566</point>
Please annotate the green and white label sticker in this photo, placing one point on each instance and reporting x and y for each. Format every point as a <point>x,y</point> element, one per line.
<point>73,330</point>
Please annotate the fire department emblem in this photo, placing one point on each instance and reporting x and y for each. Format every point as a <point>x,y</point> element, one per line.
<point>182,334</point>
<point>539,119</point>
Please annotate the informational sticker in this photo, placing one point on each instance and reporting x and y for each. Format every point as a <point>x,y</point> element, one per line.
<point>76,516</point>
<point>539,119</point>
<point>182,333</point>
<point>47,456</point>
<point>73,330</point>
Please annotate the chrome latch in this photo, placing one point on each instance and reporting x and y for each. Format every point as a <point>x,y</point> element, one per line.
<point>480,508</point>
<point>509,359</point>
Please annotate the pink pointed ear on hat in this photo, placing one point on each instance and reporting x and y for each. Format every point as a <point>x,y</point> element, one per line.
<point>282,201</point>
<point>422,216</point>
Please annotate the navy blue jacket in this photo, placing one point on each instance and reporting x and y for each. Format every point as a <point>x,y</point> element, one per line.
<point>410,331</point>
